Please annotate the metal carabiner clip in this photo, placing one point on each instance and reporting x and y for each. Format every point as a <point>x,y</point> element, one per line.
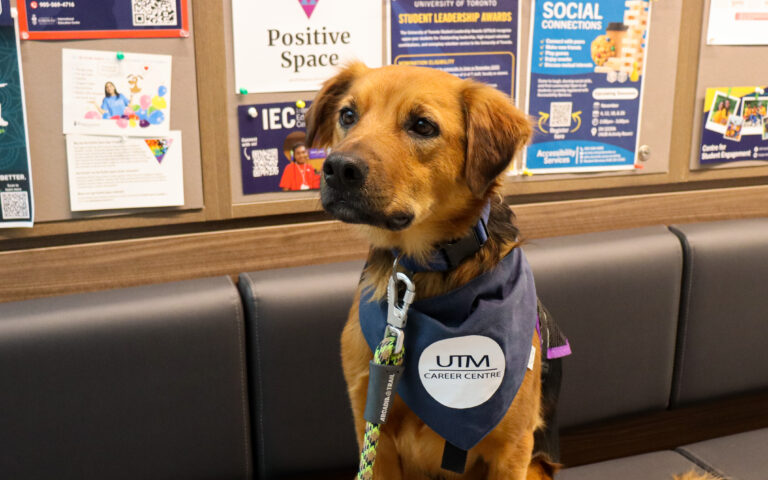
<point>397,310</point>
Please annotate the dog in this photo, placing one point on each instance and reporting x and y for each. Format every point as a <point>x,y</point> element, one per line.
<point>418,156</point>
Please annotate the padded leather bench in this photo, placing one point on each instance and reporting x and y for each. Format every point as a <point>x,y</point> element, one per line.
<point>137,383</point>
<point>616,295</point>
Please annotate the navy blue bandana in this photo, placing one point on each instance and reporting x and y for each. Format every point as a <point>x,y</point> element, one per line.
<point>467,351</point>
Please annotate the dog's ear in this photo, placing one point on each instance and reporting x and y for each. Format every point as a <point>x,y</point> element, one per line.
<point>321,117</point>
<point>496,131</point>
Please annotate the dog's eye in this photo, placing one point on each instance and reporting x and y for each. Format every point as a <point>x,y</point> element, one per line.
<point>424,128</point>
<point>347,117</point>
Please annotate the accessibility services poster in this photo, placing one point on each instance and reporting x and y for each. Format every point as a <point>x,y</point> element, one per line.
<point>16,208</point>
<point>470,39</point>
<point>587,62</point>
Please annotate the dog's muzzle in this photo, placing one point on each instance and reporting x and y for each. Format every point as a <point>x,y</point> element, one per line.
<point>344,172</point>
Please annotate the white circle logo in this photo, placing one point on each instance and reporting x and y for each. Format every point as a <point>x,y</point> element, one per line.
<point>462,372</point>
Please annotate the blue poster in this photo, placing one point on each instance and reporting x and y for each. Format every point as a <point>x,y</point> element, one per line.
<point>15,181</point>
<point>470,39</point>
<point>87,19</point>
<point>587,61</point>
<point>735,125</point>
<point>274,156</point>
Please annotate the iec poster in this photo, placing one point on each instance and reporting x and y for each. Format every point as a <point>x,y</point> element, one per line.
<point>295,45</point>
<point>585,90</point>
<point>472,38</point>
<point>735,125</point>
<point>273,153</point>
<point>15,181</point>
<point>88,19</point>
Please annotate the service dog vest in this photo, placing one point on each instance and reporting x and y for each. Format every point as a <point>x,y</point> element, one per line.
<point>467,351</point>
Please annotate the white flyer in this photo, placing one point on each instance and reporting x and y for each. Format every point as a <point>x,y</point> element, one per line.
<point>295,45</point>
<point>738,22</point>
<point>107,173</point>
<point>115,93</point>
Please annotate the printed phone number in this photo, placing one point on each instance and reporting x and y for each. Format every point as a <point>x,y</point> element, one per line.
<point>56,4</point>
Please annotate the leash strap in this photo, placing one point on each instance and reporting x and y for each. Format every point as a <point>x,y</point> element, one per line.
<point>384,355</point>
<point>385,369</point>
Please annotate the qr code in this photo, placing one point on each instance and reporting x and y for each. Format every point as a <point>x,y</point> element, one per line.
<point>15,205</point>
<point>154,13</point>
<point>560,114</point>
<point>265,162</point>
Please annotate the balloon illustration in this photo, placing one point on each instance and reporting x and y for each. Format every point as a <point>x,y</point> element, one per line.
<point>159,103</point>
<point>162,90</point>
<point>122,123</point>
<point>143,123</point>
<point>156,118</point>
<point>145,101</point>
<point>92,115</point>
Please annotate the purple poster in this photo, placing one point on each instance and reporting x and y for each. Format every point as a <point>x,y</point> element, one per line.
<point>735,125</point>
<point>86,19</point>
<point>477,40</point>
<point>273,153</point>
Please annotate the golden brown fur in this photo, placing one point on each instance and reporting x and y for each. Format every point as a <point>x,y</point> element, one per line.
<point>412,191</point>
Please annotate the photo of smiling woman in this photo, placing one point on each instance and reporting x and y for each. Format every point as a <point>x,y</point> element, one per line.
<point>114,103</point>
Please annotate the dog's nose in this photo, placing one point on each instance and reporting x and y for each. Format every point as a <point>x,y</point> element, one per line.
<point>344,172</point>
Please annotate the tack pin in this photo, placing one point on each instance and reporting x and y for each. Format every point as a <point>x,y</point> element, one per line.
<point>252,112</point>
<point>120,55</point>
<point>527,173</point>
<point>301,103</point>
<point>243,91</point>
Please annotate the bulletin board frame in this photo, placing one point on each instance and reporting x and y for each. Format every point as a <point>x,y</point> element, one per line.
<point>223,207</point>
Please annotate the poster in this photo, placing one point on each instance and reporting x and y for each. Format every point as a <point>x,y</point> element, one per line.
<point>273,155</point>
<point>16,200</point>
<point>105,94</point>
<point>475,40</point>
<point>738,22</point>
<point>107,173</point>
<point>586,87</point>
<point>295,45</point>
<point>735,125</point>
<point>88,19</point>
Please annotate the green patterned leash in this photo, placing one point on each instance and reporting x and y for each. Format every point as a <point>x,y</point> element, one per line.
<point>385,370</point>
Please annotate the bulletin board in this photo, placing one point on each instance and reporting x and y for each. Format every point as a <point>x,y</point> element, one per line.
<point>656,136</point>
<point>42,65</point>
<point>725,66</point>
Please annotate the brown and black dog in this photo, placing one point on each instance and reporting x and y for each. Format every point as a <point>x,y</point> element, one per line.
<point>417,154</point>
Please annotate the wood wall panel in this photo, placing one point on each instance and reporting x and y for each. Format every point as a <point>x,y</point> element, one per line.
<point>40,272</point>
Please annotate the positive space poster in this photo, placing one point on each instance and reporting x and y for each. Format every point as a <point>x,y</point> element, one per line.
<point>473,39</point>
<point>587,62</point>
<point>295,45</point>
<point>16,209</point>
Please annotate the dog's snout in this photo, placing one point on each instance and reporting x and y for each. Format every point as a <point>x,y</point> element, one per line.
<point>344,172</point>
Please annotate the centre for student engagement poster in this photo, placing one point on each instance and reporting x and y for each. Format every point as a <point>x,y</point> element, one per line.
<point>295,45</point>
<point>587,63</point>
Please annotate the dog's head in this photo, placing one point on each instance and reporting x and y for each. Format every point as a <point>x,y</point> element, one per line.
<point>416,152</point>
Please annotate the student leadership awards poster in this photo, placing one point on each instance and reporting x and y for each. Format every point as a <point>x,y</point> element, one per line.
<point>735,125</point>
<point>470,39</point>
<point>295,45</point>
<point>15,179</point>
<point>274,156</point>
<point>87,19</point>
<point>587,68</point>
